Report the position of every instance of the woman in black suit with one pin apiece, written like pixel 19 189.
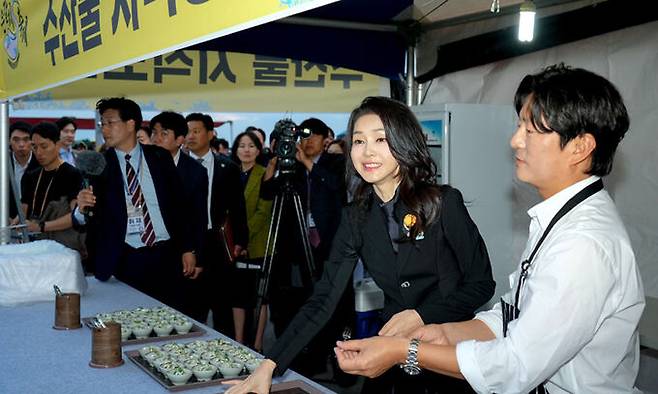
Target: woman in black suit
pixel 415 238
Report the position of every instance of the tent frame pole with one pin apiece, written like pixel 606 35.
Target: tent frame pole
pixel 5 170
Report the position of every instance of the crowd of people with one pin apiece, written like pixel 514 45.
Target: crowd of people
pixel 182 216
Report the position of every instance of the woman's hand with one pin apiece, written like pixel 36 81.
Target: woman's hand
pixel 258 382
pixel 371 357
pixel 402 324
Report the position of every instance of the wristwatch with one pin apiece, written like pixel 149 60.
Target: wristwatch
pixel 410 366
pixel 42 226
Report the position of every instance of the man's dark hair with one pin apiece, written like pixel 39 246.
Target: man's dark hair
pixel 316 126
pixel 128 109
pixel 147 129
pixel 203 118
pixel 20 125
pixel 217 142
pixel 48 130
pixel 171 121
pixel 64 121
pixel 257 130
pixel 572 102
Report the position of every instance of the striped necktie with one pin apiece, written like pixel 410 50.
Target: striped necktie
pixel 137 198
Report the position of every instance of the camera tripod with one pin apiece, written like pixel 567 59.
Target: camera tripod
pixel 287 193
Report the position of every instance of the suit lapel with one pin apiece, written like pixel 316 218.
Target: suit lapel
pixel 116 190
pixel 252 183
pixel 375 230
pixel 404 248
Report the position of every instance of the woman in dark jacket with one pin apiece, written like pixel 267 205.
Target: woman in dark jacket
pixel 415 238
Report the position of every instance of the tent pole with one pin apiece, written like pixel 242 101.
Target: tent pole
pixel 411 71
pixel 4 172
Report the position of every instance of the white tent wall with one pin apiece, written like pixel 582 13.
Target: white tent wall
pixel 629 58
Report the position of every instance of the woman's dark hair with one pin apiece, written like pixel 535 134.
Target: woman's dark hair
pixel 418 188
pixel 572 102
pixel 236 142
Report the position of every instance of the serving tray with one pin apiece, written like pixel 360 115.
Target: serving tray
pixel 294 387
pixel 195 331
pixel 193 383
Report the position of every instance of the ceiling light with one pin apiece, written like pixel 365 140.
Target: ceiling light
pixel 527 21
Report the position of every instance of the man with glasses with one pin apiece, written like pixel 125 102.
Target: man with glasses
pixel 138 231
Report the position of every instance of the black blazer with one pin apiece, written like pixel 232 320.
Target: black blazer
pixel 195 184
pixel 445 276
pixel 227 197
pixel 107 228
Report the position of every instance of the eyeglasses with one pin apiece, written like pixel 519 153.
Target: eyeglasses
pixel 109 123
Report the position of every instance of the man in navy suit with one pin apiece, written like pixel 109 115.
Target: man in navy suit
pixel 168 130
pixel 138 231
pixel 225 200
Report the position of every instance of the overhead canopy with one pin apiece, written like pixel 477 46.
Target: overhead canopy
pixel 47 43
pixel 451 35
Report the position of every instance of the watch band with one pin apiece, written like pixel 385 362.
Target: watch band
pixel 410 365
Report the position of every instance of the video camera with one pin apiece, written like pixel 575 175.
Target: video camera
pixel 287 133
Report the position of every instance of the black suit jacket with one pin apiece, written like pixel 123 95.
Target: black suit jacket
pixel 445 276
pixel 107 228
pixel 195 184
pixel 228 198
pixel 31 165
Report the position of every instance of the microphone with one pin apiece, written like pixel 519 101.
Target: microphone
pixel 90 164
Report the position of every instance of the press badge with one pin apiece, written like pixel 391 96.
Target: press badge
pixel 135 219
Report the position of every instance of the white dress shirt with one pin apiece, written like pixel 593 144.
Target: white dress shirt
pixel 19 171
pixel 580 307
pixel 209 163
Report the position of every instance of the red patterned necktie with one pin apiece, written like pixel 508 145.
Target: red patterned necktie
pixel 148 235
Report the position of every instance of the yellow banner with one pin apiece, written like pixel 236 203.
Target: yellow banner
pixel 213 81
pixel 49 42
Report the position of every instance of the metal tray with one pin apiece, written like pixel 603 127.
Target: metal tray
pixel 193 383
pixel 294 387
pixel 195 331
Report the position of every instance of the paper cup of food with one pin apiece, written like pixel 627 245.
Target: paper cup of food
pixel 179 375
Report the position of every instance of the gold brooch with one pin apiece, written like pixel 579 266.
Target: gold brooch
pixel 409 221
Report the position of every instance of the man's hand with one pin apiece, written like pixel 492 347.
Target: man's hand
pixel 402 324
pixel 86 199
pixel 239 251
pixel 271 169
pixel 258 382
pixel 33 226
pixel 371 357
pixel 431 333
pixel 189 263
pixel 302 158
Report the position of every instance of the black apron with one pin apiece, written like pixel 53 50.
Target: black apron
pixel 511 312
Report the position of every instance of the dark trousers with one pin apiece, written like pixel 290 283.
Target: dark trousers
pixel 155 271
pixel 211 290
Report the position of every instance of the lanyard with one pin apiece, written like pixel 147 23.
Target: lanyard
pixel 45 195
pixel 575 200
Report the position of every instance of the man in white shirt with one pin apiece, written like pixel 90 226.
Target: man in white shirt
pixel 571 324
pixel 22 159
pixel 67 128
